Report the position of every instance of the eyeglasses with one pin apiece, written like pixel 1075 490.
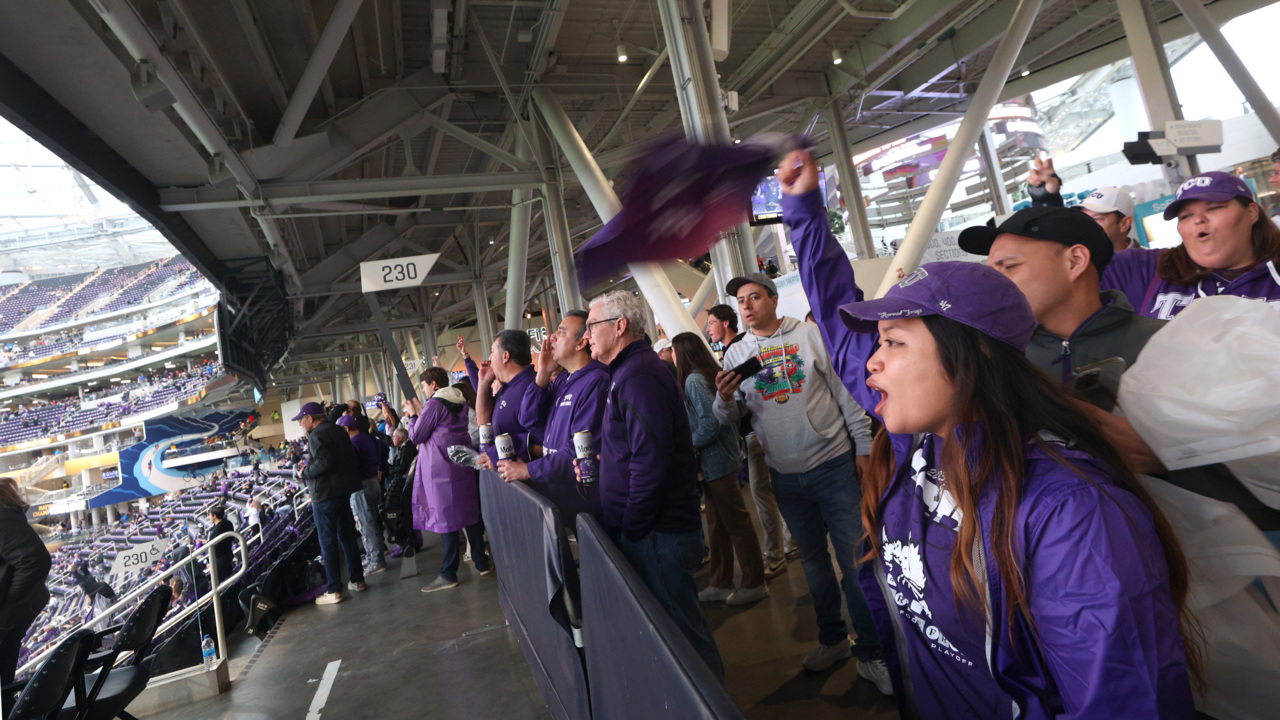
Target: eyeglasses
pixel 587 330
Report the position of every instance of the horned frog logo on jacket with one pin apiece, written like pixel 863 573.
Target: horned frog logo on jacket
pixel 782 374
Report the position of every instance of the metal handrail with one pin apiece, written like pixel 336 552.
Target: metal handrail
pixel 216 588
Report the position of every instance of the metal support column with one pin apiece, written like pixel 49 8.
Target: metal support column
pixel 995 176
pixel 780 240
pixel 702 110
pixel 518 252
pixel 335 31
pixel 557 222
pixel 484 316
pixel 389 342
pixel 1151 67
pixel 550 318
pixel 653 281
pixel 428 336
pixel 850 185
pixel 704 291
pixel 1240 75
pixel 975 118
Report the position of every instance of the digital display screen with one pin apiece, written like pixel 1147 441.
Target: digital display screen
pixel 766 201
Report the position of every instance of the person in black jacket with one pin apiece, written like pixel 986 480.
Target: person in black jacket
pixel 24 567
pixel 221 551
pixel 332 477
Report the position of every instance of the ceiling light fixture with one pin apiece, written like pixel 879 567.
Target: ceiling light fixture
pixel 1025 71
pixel 836 57
pixel 622 52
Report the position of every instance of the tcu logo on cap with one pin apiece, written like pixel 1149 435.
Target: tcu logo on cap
pixel 1096 195
pixel 1193 183
pixel 916 276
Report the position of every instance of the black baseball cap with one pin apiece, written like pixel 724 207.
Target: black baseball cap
pixel 1054 224
pixel 757 278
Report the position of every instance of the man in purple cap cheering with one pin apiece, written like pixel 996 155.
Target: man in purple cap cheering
pixel 332 477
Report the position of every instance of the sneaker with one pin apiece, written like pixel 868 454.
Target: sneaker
pixel 375 570
pixel 876 672
pixel 329 599
pixel 746 596
pixel 440 584
pixel 775 568
pixel 398 551
pixel 356 586
pixel 489 571
pixel 824 656
pixel 791 552
pixel 713 594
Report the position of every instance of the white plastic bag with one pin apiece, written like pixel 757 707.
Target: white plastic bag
pixel 1206 388
pixel 1225 553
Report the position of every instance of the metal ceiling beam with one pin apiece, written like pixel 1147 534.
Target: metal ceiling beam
pixel 349 256
pixel 293 193
pixel 356 329
pixel 474 141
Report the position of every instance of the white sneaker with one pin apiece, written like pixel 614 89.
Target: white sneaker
pixel 878 673
pixel 824 656
pixel 329 599
pixel 440 584
pixel 746 596
pixel 714 594
pixel 356 586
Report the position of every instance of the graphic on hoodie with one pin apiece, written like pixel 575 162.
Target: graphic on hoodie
pixel 782 375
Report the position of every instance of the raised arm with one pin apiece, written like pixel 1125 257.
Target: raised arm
pixel 825 273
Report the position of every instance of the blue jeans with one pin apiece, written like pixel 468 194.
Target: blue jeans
pixel 365 506
pixel 449 543
pixel 826 501
pixel 665 562
pixel 334 527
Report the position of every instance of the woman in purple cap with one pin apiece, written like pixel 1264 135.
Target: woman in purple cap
pixel 1020 568
pixel 1229 247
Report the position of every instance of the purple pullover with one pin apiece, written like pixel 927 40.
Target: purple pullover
pixel 648 472
pixel 572 403
pixel 473 373
pixel 368 455
pixel 506 414
pixel 1133 272
pixel 1106 642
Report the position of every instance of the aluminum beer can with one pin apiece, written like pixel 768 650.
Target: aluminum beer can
pixel 506 446
pixel 588 466
pixel 486 434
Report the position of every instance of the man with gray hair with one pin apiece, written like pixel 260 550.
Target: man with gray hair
pixel 648 471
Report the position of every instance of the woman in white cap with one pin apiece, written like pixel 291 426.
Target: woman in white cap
pixel 1021 569
pixel 1229 247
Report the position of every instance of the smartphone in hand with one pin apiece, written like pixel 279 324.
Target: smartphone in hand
pixel 748 368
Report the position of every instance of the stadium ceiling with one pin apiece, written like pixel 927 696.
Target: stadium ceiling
pixel 305 136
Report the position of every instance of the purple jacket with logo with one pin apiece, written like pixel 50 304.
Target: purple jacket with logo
pixel 648 471
pixel 574 402
pixel 506 414
pixel 1106 642
pixel 1133 272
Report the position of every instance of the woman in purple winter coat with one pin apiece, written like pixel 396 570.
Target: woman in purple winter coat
pixel 446 497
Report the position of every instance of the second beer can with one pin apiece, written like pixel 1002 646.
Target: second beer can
pixel 486 434
pixel 588 466
pixel 506 446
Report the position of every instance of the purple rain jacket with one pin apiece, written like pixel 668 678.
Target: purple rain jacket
pixel 505 417
pixel 446 497
pixel 572 403
pixel 1106 642
pixel 1133 272
pixel 648 472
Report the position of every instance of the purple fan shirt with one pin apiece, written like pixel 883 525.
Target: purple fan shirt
pixel 1133 272
pixel 506 414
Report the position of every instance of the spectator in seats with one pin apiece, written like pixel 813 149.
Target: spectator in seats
pixel 815 440
pixel 1229 247
pixel 648 472
pixel 100 594
pixel 510 363
pixel 991 497
pixel 722 328
pixel 403 455
pixel 332 477
pixel 24 566
pixel 221 551
pixel 253 517
pixel 446 497
pixel 719 453
pixel 558 409
pixel 1110 207
pixel 365 504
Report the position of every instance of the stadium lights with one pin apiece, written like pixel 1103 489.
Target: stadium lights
pixel 622 52
pixel 836 57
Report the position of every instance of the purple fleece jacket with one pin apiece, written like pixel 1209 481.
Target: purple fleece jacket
pixel 1133 272
pixel 506 415
pixel 572 403
pixel 648 472
pixel 1106 642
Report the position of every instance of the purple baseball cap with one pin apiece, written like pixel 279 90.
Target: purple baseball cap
pixel 1210 187
pixel 347 421
pixel 311 408
pixel 968 293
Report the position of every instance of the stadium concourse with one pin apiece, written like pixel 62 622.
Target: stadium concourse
pixel 617 360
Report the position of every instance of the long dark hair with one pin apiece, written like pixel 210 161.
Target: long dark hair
pixel 1176 266
pixel 693 356
pixel 1000 391
pixel 11 494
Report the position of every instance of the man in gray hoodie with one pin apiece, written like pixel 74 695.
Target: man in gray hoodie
pixel 808 425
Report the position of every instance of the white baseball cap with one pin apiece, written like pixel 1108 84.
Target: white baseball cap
pixel 1109 199
pixel 661 345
